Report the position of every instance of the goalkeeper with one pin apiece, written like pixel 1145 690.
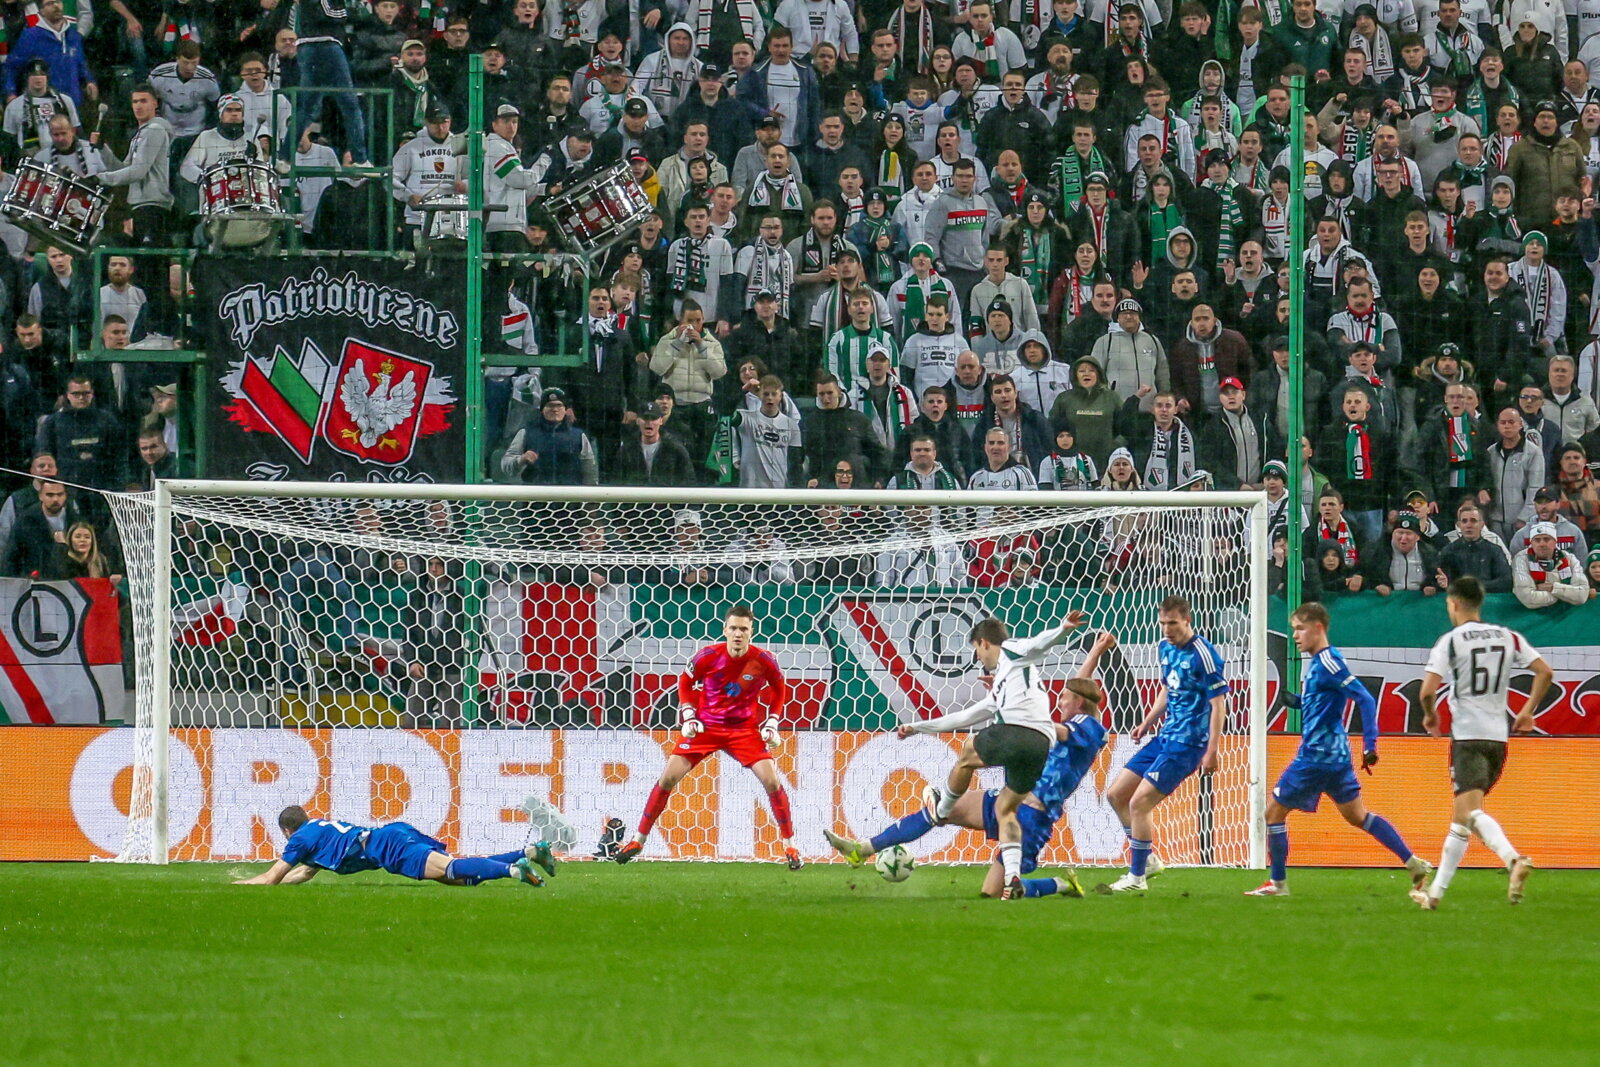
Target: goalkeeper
pixel 1079 739
pixel 717 713
pixel 399 848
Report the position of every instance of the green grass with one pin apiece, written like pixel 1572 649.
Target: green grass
pixel 754 965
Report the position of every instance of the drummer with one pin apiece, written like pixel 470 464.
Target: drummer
pixel 69 152
pixel 224 142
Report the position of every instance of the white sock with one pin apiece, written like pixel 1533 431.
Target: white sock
pixel 1011 860
pixel 641 838
pixel 1489 833
pixel 947 803
pixel 1455 847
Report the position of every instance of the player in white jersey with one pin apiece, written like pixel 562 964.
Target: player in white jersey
pixel 1018 740
pixel 1476 660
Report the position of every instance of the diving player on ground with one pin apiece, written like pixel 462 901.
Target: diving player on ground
pixel 717 701
pixel 1323 763
pixel 399 848
pixel 1475 659
pixel 1019 739
pixel 1079 739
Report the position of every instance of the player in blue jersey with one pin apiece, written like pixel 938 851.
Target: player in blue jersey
pixel 1079 739
pixel 1323 764
pixel 1194 700
pixel 399 848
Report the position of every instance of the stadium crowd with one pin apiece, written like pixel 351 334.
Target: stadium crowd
pixel 914 245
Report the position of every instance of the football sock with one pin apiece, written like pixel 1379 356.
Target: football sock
pixel 907 829
pixel 1490 833
pixel 1138 856
pixel 475 869
pixel 1127 831
pixel 1455 847
pixel 778 799
pixel 1039 887
pixel 947 802
pixel 652 810
pixel 508 857
pixel 1383 831
pixel 1011 859
pixel 1278 850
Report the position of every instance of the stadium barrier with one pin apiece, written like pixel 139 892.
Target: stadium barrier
pixel 68 790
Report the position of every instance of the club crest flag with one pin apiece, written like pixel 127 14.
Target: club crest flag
pixel 324 370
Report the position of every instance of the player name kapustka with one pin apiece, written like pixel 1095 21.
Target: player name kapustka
pixel 251 307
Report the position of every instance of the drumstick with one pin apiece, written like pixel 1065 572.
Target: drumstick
pixel 99 121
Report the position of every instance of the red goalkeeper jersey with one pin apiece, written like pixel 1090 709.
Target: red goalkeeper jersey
pixel 726 691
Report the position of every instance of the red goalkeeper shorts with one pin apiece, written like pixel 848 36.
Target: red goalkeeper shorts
pixel 743 743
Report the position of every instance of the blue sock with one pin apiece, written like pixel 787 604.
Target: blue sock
pixel 907 829
pixel 475 869
pixel 1387 836
pixel 508 857
pixel 1038 887
pixel 1138 856
pixel 1278 850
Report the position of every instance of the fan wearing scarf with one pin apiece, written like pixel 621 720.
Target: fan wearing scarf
pixel 908 296
pixel 1072 170
pixel 1543 289
pixel 1038 246
pixel 1454 452
pixel 764 265
pixel 1546 574
pixel 1067 468
pixel 1333 527
pixel 880 240
pixel 996 48
pixel 1053 90
pixel 879 395
pixel 1362 322
pixel 1358 456
pixel 1165 451
pixel 700 267
pixel 1163 123
pixel 849 349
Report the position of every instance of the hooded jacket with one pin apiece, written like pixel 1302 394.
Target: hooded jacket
pixel 1129 361
pixel 1094 413
pixel 1192 380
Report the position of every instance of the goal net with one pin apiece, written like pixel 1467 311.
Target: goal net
pixel 489 662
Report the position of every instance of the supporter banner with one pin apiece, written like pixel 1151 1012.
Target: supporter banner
pixel 60 652
pixel 63 794
pixel 332 369
pixel 862 658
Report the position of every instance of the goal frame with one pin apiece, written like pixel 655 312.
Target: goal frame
pixel 166 490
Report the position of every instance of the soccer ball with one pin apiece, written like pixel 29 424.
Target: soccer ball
pixel 895 863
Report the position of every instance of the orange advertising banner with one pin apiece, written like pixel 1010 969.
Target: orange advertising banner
pixel 64 794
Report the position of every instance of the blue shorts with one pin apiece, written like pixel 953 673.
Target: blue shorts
pixel 1164 764
pixel 402 849
pixel 1302 784
pixel 1036 829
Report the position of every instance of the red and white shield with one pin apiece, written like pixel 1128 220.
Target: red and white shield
pixel 375 412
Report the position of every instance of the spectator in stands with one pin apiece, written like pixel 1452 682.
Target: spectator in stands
pixel 147 170
pixel 1165 450
pixel 1066 467
pixel 1207 355
pixel 924 467
pixel 1454 451
pixel 1546 574
pixel 40 468
pixel 1573 412
pixel 959 226
pixel 1547 508
pixel 155 461
pixel 29 114
pixel 1540 430
pixel 1404 564
pixel 1234 441
pixel 86 440
pixel 1579 491
pixel 61 300
pixel 924 554
pixel 1359 459
pixel 39 529
pixel 763 333
pixel 550 449
pixel 119 296
pixel 53 38
pixel 1333 524
pixel 1133 359
pixel 770 451
pixel 1516 473
pixel 1544 164
pixel 80 555
pixel 1474 551
pixel 690 359
pixel 833 431
pixel 935 420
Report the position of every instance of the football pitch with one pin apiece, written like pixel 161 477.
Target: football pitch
pixel 752 964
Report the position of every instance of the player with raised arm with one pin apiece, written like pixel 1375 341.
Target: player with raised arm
pixel 1019 738
pixel 1475 659
pixel 717 701
pixel 329 845
pixel 1323 763
pixel 1079 739
pixel 1194 700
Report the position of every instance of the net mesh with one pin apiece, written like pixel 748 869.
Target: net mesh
pixel 468 665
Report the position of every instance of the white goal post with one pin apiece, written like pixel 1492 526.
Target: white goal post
pixel 435 653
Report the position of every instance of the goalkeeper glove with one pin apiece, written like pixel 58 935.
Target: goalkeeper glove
pixel 1291 700
pixel 769 732
pixel 689 722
